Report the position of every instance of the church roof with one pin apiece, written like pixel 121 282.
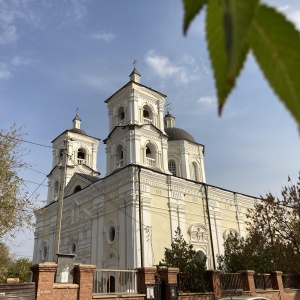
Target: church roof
pixel 89 177
pixel 135 71
pixel 77 130
pixel 133 82
pixel 77 118
pixel 178 134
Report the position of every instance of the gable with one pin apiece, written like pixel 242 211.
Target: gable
pixel 79 182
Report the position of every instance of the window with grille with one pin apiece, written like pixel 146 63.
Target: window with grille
pixel 194 172
pixel 172 167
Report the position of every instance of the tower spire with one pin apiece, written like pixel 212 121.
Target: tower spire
pixel 135 74
pixel 76 120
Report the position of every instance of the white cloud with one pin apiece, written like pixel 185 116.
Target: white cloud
pixel 78 11
pixel 284 8
pixel 291 13
pixel 8 34
pixel 11 14
pixel 208 100
pixel 103 36
pixel 295 18
pixel 164 68
pixel 8 68
pixel 4 71
pixel 19 61
pixel 15 14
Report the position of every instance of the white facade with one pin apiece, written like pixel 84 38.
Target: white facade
pixel 155 182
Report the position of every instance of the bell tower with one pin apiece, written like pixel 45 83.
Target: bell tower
pixel 81 152
pixel 136 127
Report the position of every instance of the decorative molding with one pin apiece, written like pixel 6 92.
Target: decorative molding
pixel 198 233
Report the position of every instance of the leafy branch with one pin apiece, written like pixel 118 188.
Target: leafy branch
pixel 233 29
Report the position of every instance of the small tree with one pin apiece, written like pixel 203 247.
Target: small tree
pixel 15 207
pixel 279 219
pixel 273 243
pixel 185 258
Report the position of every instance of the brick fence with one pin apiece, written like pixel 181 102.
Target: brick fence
pixel 278 292
pixel 82 286
pixel 43 275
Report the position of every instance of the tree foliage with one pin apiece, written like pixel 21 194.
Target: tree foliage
pixel 5 262
pixel 11 268
pixel 273 241
pixel 181 255
pixel 235 27
pixel 15 207
pixel 20 268
pixel 279 219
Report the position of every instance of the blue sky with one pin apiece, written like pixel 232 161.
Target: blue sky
pixel 60 55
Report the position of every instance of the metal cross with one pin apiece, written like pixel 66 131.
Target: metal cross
pixel 168 107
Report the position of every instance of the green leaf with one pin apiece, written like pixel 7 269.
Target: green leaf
pixel 191 9
pixel 237 19
pixel 276 46
pixel 227 26
pixel 216 46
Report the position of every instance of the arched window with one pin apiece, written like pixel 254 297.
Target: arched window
pixel 121 116
pixel 147 115
pixel 119 156
pixel 77 189
pixel 61 153
pixel 81 156
pixel 73 247
pixel 150 155
pixel 111 233
pixel 148 152
pixel 194 171
pixel 200 255
pixel 172 167
pixel 56 190
pixel 44 251
pixel 111 284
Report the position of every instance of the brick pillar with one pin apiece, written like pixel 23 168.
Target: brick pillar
pixel 277 283
pixel 43 276
pixel 214 282
pixel 248 281
pixel 146 276
pixel 169 277
pixel 83 276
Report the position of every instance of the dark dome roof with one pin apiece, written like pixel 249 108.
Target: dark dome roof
pixel 77 130
pixel 178 134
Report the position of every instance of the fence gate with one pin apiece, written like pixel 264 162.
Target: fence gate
pixel 159 289
pixel 25 291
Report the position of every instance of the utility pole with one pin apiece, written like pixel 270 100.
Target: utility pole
pixel 60 199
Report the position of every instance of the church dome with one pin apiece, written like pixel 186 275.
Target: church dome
pixel 178 134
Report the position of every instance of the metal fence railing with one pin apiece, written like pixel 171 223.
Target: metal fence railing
pixel 263 281
pixel 187 282
pixel 115 281
pixel 291 281
pixel 231 281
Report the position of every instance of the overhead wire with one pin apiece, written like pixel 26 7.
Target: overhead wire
pixel 34 182
pixel 29 142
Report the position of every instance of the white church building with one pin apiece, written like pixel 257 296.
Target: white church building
pixel 154 183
